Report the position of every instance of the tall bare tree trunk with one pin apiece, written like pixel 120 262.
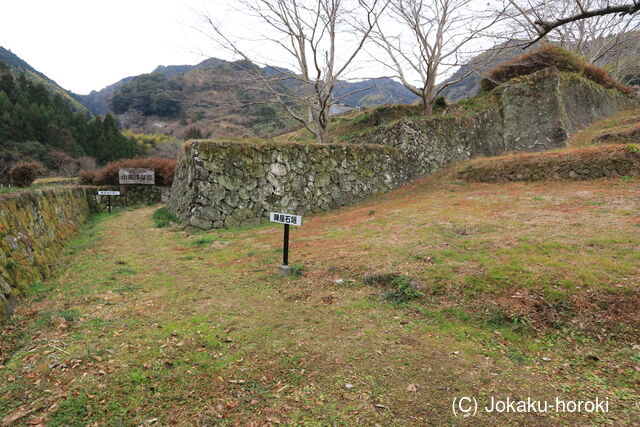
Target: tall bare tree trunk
pixel 427 106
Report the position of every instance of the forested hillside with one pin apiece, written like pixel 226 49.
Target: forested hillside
pixel 19 66
pixel 219 99
pixel 35 123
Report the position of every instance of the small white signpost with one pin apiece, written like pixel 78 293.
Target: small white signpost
pixel 108 193
pixel 282 218
pixel 287 220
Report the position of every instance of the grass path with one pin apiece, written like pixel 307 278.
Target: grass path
pixel 152 326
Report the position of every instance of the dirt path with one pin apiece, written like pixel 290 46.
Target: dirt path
pixel 146 325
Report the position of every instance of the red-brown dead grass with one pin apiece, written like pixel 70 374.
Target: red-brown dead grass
pixel 572 164
pixel 109 174
pixel 550 56
pixel 623 127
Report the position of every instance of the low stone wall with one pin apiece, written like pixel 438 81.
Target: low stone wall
pixel 33 227
pixel 131 195
pixel 581 164
pixel 229 184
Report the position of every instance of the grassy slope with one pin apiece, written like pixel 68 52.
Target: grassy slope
pixel 196 328
pixel 595 144
pixel 356 123
pixel 343 126
pixel 624 127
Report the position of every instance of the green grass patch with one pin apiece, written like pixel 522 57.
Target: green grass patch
pixel 401 291
pixel 204 241
pixel 163 218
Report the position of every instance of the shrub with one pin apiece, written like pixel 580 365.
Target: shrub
pixel 108 175
pixel 193 133
pixel 402 290
pixel 86 163
pixel 23 174
pixel 545 57
pixel 62 163
pixel 440 103
pixel 163 218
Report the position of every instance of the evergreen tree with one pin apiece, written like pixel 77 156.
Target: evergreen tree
pixel 34 122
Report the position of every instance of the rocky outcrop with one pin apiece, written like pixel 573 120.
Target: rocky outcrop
pixel 33 227
pixel 229 184
pixel 536 112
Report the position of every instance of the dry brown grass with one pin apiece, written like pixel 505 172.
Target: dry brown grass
pixel 550 56
pixel 108 175
pixel 573 164
pixel 623 127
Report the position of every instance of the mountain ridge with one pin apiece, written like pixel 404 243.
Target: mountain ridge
pixel 18 65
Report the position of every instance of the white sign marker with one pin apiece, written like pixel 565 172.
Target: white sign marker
pixel 108 193
pixel 282 218
pixel 136 176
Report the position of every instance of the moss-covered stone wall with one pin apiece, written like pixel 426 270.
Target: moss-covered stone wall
pixel 33 227
pixel 536 112
pixel 229 184
pixel 130 195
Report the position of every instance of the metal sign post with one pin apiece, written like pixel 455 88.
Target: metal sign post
pixel 287 220
pixel 108 193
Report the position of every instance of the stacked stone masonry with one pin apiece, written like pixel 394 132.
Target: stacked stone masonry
pixel 33 227
pixel 231 184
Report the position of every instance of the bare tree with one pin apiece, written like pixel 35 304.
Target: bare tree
pixel 435 37
pixel 317 37
pixel 543 16
pixel 611 40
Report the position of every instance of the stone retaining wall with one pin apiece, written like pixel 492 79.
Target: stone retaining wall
pixel 131 195
pixel 33 227
pixel 229 184
pixel 533 113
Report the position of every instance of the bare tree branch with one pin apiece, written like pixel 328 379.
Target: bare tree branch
pixel 316 35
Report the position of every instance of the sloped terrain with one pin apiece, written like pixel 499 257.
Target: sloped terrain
pixel 518 289
pixel 570 164
pixel 608 147
pixel 623 127
pixel 222 99
pixel 18 65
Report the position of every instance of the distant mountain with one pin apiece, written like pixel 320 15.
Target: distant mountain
pixel 17 66
pixel 469 85
pixel 219 98
pixel 624 50
pixel 372 92
pixel 98 101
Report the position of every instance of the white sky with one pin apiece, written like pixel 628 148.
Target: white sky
pixel 86 45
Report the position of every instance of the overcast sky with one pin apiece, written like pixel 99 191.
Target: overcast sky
pixel 86 45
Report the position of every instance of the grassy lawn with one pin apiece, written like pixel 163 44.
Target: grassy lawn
pixel 524 290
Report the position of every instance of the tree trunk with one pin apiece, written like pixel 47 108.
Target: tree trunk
pixel 323 135
pixel 427 106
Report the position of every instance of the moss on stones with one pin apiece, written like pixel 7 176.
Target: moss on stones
pixel 33 227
